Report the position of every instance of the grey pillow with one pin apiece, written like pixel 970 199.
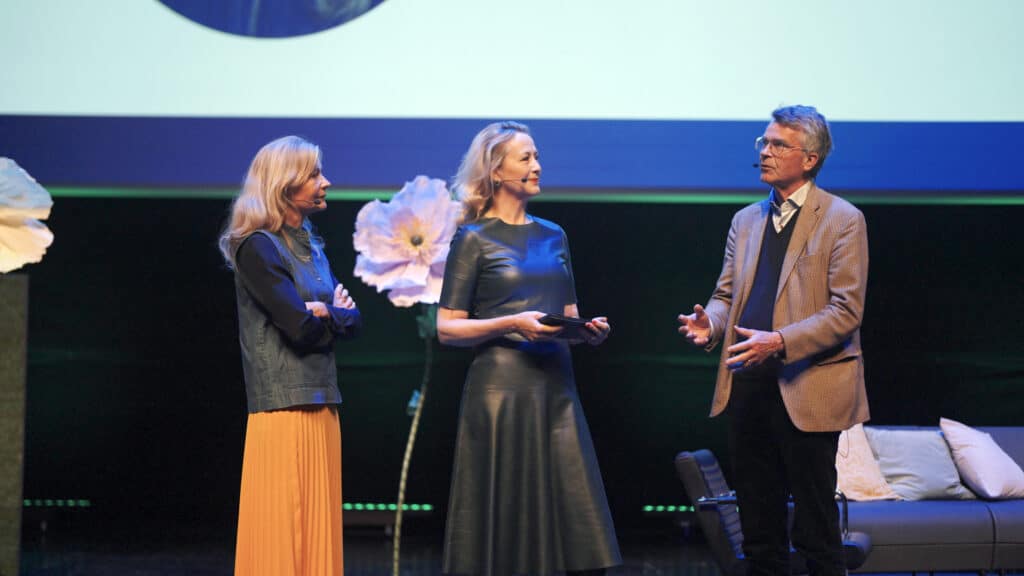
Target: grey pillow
pixel 917 464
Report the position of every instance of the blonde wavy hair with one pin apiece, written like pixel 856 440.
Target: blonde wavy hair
pixel 277 170
pixel 473 184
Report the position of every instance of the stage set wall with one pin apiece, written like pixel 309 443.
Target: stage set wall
pixel 136 402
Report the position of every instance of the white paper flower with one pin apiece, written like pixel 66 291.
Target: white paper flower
pixel 403 243
pixel 23 202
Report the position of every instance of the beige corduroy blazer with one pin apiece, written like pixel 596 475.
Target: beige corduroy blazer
pixel 818 309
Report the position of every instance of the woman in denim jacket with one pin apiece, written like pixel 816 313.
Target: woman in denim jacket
pixel 291 309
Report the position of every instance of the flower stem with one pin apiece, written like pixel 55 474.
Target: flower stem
pixel 427 361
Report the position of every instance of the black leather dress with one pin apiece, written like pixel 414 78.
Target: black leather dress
pixel 526 494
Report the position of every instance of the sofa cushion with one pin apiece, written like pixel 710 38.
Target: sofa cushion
pixel 925 535
pixel 933 522
pixel 1008 516
pixel 859 476
pixel 982 464
pixel 917 464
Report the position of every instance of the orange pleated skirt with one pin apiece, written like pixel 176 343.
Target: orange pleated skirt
pixel 289 514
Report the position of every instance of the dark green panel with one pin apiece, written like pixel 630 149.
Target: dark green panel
pixel 136 401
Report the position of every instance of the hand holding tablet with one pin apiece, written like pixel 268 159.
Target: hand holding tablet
pixel 572 328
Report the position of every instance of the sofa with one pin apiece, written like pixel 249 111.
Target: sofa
pixel 963 534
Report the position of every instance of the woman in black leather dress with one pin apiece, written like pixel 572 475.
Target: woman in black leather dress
pixel 526 494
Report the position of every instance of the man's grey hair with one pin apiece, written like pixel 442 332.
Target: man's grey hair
pixel 817 137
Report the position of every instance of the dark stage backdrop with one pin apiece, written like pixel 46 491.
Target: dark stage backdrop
pixel 136 401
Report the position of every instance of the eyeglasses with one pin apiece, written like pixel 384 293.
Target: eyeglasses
pixel 776 147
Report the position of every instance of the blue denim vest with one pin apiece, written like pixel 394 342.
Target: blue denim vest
pixel 277 375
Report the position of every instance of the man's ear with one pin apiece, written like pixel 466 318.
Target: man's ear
pixel 810 161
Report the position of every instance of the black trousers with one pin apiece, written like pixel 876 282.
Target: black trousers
pixel 772 459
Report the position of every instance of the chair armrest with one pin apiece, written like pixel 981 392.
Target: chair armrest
pixel 713 502
pixel 844 513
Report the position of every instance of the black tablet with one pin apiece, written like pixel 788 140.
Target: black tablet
pixel 573 328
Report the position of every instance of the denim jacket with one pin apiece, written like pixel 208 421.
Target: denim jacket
pixel 280 373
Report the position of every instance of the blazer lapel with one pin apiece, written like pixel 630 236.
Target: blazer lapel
pixel 755 229
pixel 806 221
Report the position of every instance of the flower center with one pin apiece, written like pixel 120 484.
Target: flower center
pixel 416 240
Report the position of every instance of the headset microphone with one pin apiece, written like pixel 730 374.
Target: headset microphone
pixel 498 183
pixel 756 165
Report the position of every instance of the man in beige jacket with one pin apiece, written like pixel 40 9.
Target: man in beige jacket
pixel 787 309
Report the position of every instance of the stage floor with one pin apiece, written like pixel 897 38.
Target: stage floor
pixel 365 555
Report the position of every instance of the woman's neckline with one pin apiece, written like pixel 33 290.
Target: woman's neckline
pixel 529 220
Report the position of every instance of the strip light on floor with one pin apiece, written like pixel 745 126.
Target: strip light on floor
pixel 56 503
pixel 361 506
pixel 379 507
pixel 666 509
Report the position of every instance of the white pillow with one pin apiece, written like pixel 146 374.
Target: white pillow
pixel 982 464
pixel 857 471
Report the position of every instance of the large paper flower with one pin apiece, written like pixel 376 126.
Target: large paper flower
pixel 403 243
pixel 23 202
